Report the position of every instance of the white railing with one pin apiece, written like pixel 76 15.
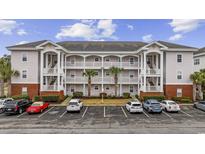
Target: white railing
pixel 76 80
pixel 93 64
pixel 75 64
pixel 152 88
pixel 50 70
pixel 110 64
pixel 129 64
pixel 50 87
pixel 151 71
pixel 128 80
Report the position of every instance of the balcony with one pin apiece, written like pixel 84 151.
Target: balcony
pixel 98 80
pixel 50 71
pixel 153 88
pixel 50 87
pixel 150 71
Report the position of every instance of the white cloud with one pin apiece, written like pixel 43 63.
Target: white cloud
pixel 147 38
pixel 22 42
pixel 21 32
pixel 176 37
pixel 89 30
pixel 130 27
pixel 185 25
pixel 7 26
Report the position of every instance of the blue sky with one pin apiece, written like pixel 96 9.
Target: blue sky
pixel 188 32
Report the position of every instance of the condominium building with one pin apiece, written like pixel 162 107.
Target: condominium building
pixel 148 68
pixel 199 59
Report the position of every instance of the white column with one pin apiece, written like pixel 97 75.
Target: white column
pixel 120 76
pixel 102 68
pixel 41 72
pixel 46 60
pixel 161 72
pixel 145 73
pixel 58 64
pixel 157 61
pixel 83 76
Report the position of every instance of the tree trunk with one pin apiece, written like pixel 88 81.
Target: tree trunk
pixel 89 86
pixel 200 92
pixel 1 88
pixel 9 88
pixel 116 81
pixel 194 92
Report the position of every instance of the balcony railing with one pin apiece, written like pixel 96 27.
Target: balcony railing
pixel 50 70
pixel 50 87
pixel 81 64
pixel 151 71
pixel 153 88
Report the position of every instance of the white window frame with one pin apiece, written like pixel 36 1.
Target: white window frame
pixel 24 90
pixel 24 55
pixel 107 88
pixel 131 88
pixel 107 59
pixel 23 74
pixel 179 54
pixel 97 60
pixel 96 87
pixel 197 61
pixel 107 73
pixel 179 92
pixel 131 61
pixel 179 73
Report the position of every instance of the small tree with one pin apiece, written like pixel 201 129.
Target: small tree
pixel 89 74
pixel 6 73
pixel 115 71
pixel 198 79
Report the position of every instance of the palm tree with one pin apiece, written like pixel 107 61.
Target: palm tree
pixel 198 79
pixel 115 71
pixel 6 73
pixel 89 74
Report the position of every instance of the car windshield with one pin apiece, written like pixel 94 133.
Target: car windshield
pixel 36 104
pixel 136 104
pixel 11 102
pixel 73 103
pixel 172 103
pixel 1 101
pixel 155 103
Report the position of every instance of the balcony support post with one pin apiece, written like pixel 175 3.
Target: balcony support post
pixel 58 66
pixel 161 71
pixel 145 75
pixel 84 57
pixel 102 74
pixel 41 72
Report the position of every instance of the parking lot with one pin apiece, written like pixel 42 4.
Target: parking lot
pixel 109 119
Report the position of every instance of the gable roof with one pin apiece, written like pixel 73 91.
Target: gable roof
pixel 202 50
pixel 101 45
pixel 173 45
pixel 28 45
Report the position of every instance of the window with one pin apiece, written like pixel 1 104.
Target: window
pixel 179 92
pixel 107 88
pixel 131 89
pixel 72 75
pixel 179 58
pixel 97 73
pixel 96 59
pixel 72 61
pixel 179 75
pixel 107 59
pixel 196 61
pixel 96 87
pixel 24 57
pixel 72 89
pixel 24 74
pixel 24 90
pixel 131 76
pixel 131 60
pixel 107 73
pixel 44 80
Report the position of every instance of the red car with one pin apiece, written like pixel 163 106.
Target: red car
pixel 37 107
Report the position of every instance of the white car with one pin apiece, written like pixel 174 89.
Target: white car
pixel 134 106
pixel 74 105
pixel 170 106
pixel 3 101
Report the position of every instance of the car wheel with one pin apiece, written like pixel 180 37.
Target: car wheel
pixel 166 109
pixel 20 111
pixel 195 106
pixel 41 110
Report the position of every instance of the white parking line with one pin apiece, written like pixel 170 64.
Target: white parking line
pixel 167 114
pixel 124 112
pixel 63 114
pixel 146 114
pixel 104 112
pixel 21 114
pixel 45 112
pixel 186 113
pixel 85 112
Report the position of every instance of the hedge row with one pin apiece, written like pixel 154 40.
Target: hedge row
pixel 159 98
pixel 20 97
pixel 2 96
pixel 182 99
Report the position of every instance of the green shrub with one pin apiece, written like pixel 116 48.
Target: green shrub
pixel 137 96
pixel 104 94
pixel 51 98
pixel 126 95
pixel 77 94
pixel 36 98
pixel 3 96
pixel 185 100
pixel 20 97
pixel 159 98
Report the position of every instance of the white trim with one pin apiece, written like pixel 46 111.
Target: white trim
pixel 21 74
pixel 180 49
pixel 198 55
pixel 25 82
pixel 178 84
pixel 20 49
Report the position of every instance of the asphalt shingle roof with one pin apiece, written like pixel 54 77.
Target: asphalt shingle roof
pixel 173 45
pixel 202 50
pixel 28 45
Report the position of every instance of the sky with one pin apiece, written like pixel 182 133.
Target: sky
pixel 189 32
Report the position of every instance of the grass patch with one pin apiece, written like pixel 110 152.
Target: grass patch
pixel 105 102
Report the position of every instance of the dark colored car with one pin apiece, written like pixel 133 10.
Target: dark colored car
pixel 152 105
pixel 16 106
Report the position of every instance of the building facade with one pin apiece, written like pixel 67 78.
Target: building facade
pixel 57 68
pixel 199 60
